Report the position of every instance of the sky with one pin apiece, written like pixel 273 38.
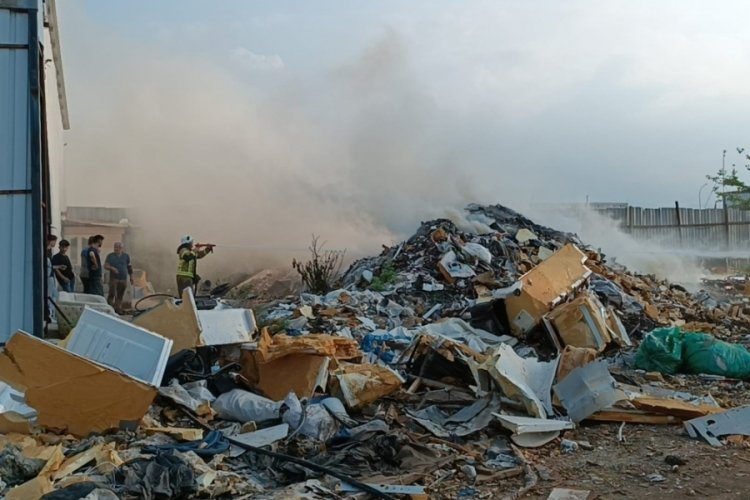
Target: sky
pixel 263 122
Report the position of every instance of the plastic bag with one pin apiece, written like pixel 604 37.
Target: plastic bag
pixel 661 351
pixel 669 350
pixel 244 406
pixel 702 353
pixel 314 421
pixel 478 251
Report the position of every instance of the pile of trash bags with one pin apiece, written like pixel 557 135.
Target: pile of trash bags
pixel 670 351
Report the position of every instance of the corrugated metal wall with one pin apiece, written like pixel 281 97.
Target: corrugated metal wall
pixel 20 228
pixel 705 228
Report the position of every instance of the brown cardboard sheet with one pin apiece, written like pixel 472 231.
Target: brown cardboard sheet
pixel 177 322
pixel 71 393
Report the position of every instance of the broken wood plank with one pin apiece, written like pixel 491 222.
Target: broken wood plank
pixel 676 408
pixel 75 462
pixel 503 474
pixel 181 433
pixel 633 417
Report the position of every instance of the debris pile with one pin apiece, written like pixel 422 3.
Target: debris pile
pixel 450 363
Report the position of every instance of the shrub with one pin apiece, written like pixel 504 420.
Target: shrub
pixel 319 274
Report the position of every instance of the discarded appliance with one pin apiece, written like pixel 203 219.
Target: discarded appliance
pixel 545 286
pixel 72 305
pixel 120 345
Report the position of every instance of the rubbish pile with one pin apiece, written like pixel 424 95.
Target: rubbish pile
pixel 435 367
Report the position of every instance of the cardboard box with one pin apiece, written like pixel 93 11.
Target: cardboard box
pixel 298 373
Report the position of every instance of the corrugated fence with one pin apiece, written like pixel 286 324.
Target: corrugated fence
pixel 710 228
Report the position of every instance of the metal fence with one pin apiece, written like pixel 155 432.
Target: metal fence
pixel 708 228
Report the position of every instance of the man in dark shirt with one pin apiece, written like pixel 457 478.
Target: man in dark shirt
pixel 120 272
pixel 94 263
pixel 63 268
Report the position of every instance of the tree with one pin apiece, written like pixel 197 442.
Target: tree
pixel 729 186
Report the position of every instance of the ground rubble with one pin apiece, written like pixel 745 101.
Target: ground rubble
pixel 492 359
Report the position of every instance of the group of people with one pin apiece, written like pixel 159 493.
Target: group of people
pixel 61 276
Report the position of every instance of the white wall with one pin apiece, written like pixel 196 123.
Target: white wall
pixel 55 137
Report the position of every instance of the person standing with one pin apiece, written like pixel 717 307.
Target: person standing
pixel 187 275
pixel 83 271
pixel 94 263
pixel 51 283
pixel 66 278
pixel 120 273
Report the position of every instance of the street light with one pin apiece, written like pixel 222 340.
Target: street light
pixel 700 197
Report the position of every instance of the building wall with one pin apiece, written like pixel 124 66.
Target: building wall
pixel 55 137
pixel 56 109
pixel 21 261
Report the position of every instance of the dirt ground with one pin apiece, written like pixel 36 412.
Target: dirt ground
pixel 635 468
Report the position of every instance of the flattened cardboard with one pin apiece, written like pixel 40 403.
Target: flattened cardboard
pixel 298 373
pixel 676 408
pixel 177 322
pixel 544 286
pixel 71 393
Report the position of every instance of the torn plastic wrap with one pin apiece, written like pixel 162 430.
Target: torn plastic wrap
pixel 194 395
pixel 312 420
pixel 464 422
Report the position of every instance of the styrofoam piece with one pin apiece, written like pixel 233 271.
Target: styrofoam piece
pixel 226 326
pixel 120 345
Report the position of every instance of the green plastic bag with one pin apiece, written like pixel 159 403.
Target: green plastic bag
pixel 660 351
pixel 702 353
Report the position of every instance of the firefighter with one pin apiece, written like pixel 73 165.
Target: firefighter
pixel 188 254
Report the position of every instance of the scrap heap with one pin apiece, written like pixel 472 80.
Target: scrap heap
pixel 435 369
